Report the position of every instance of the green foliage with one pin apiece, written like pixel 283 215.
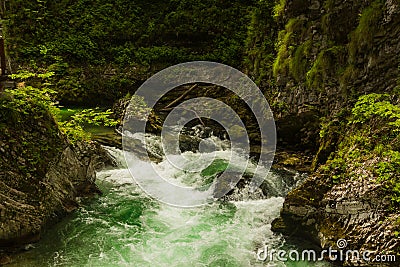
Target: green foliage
pixel 94 117
pixel 74 127
pixel 377 106
pixel 325 127
pixel 376 111
pixel 80 41
pixel 280 107
pixel 279 8
pixel 98 32
pixel 74 131
pixel 260 43
pixel 26 100
pixel 41 104
pixel 25 75
pixel 29 134
pixel 161 54
pixel 284 45
pixel 372 135
pixel 361 38
pixel 388 171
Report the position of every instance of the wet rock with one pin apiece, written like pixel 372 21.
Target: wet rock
pixel 356 211
pixel 288 160
pixel 42 177
pixel 234 186
pixel 108 139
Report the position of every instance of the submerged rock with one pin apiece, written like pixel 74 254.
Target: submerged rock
pixel 234 186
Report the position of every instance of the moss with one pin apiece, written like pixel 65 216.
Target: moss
pixel 329 4
pixel 347 75
pixel 280 107
pixel 281 60
pixel 298 65
pixel 294 56
pixel 279 8
pixel 361 38
pixel 324 66
pixel 260 44
pixel 285 45
pixel 292 161
pixel 329 139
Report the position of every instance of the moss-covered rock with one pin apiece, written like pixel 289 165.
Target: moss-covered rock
pixel 352 76
pixel 42 175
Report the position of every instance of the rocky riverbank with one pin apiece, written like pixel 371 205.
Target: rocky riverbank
pixel 338 63
pixel 42 175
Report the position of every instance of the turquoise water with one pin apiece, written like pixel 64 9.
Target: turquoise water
pixel 125 227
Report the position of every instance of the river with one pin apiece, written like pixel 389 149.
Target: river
pixel 125 227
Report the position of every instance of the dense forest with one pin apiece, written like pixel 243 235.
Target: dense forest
pixel 121 43
pixel 330 71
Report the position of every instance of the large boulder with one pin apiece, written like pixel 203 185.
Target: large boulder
pixel 42 175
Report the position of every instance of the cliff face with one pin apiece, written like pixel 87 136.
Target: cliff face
pixel 329 51
pixel 41 174
pixel 336 62
pixel 327 54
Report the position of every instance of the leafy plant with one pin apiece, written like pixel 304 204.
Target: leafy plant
pixel 29 99
pixel 372 135
pixel 74 127
pixel 376 106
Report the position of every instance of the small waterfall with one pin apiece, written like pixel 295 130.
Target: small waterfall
pixel 117 156
pixel 272 186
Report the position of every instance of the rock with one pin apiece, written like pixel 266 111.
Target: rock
pixel 5 259
pixel 278 225
pixel 47 182
pixel 107 139
pixel 358 208
pixel 323 214
pixel 234 186
pixel 298 161
pixel 291 162
pixel 238 131
pixel 329 26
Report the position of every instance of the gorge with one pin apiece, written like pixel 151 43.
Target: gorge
pixel 330 71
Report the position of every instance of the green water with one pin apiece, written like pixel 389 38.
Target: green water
pixel 124 227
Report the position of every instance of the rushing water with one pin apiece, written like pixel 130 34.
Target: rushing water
pixel 125 227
